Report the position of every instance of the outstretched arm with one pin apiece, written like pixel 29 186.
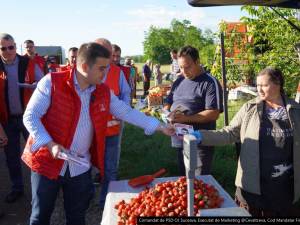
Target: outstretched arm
pixel 124 112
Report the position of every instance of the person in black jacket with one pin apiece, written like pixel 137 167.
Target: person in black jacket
pixel 18 77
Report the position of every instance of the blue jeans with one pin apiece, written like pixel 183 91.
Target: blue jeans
pixel 13 151
pixel 77 193
pixel 110 165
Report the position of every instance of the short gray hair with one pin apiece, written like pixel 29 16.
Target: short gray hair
pixel 7 37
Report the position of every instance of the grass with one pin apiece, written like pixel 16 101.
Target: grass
pixel 143 154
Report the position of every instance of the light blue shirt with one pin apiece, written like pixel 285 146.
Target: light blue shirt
pixel 14 101
pixel 40 102
pixel 125 90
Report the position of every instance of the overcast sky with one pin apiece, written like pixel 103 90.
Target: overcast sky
pixel 70 23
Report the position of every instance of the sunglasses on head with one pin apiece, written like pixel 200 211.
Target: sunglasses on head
pixel 11 47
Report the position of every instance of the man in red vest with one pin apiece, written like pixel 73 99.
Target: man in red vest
pixel 72 57
pixel 126 68
pixel 66 118
pixel 18 77
pixel 52 65
pixel 31 53
pixel 116 59
pixel 116 81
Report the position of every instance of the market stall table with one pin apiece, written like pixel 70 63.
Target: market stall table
pixel 120 190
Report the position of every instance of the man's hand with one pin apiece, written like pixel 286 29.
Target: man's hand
pixel 54 149
pixel 167 107
pixel 145 78
pixel 167 129
pixel 34 84
pixel 165 115
pixel 178 118
pixel 3 137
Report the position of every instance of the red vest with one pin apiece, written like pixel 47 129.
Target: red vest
pixel 53 67
pixel 39 60
pixel 113 82
pixel 65 67
pixel 61 120
pixel 126 71
pixel 26 75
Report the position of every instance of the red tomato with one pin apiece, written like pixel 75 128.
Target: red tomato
pixel 167 199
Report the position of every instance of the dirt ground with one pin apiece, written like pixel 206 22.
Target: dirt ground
pixel 18 213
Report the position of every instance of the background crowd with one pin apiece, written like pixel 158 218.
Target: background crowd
pixel 81 107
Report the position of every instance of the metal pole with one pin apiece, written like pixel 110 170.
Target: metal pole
pixel 190 163
pixel 225 106
pixel 190 194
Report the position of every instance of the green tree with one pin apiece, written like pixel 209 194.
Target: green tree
pixel 273 45
pixel 238 66
pixel 158 44
pixel 137 58
pixel 160 41
pixel 274 42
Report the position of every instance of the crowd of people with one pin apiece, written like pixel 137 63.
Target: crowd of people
pixel 80 108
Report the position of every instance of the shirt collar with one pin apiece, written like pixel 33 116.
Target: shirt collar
pixel 16 61
pixel 90 89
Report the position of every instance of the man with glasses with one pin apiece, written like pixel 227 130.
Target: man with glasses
pixel 31 53
pixel 18 77
pixel 68 113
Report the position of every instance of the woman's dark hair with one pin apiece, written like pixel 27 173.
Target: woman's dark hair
pixel 275 76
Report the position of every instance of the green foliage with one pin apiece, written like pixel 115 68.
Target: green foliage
pixel 158 45
pixel 239 67
pixel 160 41
pixel 274 41
pixel 138 58
pixel 143 154
pixel 206 55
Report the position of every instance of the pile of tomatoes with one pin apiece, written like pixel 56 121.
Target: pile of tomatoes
pixel 167 199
